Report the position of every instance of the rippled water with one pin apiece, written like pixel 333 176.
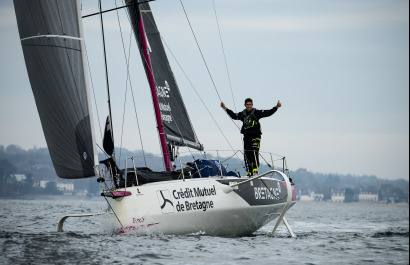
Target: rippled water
pixel 327 233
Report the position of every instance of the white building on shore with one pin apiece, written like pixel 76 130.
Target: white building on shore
pixel 338 197
pixel 368 197
pixel 312 197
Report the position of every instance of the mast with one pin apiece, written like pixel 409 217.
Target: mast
pixel 150 75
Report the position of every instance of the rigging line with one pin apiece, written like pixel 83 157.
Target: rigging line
pixel 198 95
pixel 223 51
pixel 105 153
pixel 136 115
pixel 113 212
pixel 203 154
pixel 123 120
pixel 281 156
pixel 149 68
pixel 106 74
pixel 227 69
pixel 132 90
pixel 222 162
pixel 203 58
pixel 114 9
pixel 154 24
pixel 269 165
pixel 173 118
pixel 126 82
pixel 200 98
pixel 150 18
pixel 182 69
pixel 92 86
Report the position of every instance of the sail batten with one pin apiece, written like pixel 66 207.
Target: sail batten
pixel 52 41
pixel 52 36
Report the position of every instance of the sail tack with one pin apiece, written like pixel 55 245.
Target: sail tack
pixel 52 41
pixel 174 116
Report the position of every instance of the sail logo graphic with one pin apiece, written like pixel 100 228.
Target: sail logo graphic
pixel 167 118
pixel 164 107
pixel 165 201
pixel 163 91
pixel 85 156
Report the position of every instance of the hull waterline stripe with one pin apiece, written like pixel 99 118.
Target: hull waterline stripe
pixel 52 36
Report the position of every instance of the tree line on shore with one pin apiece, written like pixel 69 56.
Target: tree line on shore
pixel 35 164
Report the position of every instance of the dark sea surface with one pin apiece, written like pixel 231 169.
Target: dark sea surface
pixel 327 233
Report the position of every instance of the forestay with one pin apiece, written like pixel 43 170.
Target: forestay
pixel 52 40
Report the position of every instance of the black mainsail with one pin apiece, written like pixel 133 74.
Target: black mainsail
pixel 52 40
pixel 174 117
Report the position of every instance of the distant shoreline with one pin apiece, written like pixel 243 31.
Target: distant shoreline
pixel 52 197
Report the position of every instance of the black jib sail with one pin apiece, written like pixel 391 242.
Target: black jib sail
pixel 175 119
pixel 52 40
pixel 108 141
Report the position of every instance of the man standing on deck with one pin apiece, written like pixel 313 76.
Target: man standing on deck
pixel 251 130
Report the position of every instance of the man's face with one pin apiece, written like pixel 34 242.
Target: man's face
pixel 248 106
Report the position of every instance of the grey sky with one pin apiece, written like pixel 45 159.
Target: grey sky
pixel 340 68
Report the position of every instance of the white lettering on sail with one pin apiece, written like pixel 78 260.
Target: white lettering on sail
pixel 164 107
pixel 163 91
pixel 167 118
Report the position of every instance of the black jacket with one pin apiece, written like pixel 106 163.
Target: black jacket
pixel 251 125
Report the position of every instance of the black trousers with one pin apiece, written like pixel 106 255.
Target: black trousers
pixel 251 146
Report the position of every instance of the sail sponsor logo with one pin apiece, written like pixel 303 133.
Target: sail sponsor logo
pixel 264 193
pixel 164 107
pixel 165 201
pixel 163 91
pixel 184 205
pixel 195 192
pixel 167 118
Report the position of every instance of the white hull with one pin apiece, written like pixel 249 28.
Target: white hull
pixel 207 205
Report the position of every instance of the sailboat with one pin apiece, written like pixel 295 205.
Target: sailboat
pixel 202 197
